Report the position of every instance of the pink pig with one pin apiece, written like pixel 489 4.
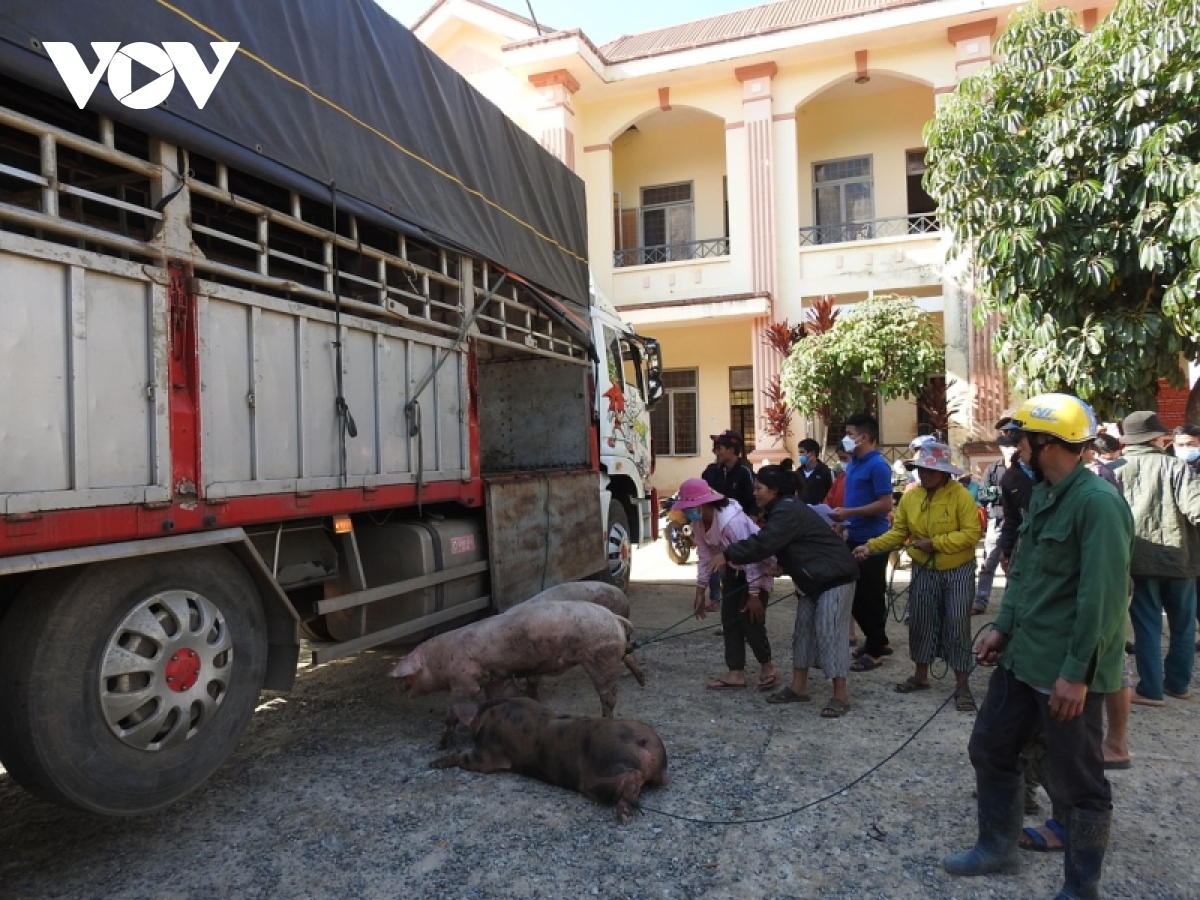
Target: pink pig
pixel 609 596
pixel 529 640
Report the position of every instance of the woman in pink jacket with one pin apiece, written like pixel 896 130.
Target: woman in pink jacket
pixel 716 523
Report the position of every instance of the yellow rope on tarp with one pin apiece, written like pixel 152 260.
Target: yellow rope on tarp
pixel 371 128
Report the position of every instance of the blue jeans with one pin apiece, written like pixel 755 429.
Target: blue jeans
pixel 1151 598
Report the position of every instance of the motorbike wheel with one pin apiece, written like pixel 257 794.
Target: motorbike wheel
pixel 679 545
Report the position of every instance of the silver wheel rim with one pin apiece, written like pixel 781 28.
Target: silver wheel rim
pixel 165 670
pixel 618 551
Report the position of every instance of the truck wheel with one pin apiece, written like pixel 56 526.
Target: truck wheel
pixel 619 546
pixel 123 686
pixel 679 548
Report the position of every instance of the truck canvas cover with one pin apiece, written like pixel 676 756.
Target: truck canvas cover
pixel 334 94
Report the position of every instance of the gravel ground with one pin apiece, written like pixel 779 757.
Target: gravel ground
pixel 330 794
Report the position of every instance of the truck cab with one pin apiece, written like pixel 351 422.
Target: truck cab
pixel 628 384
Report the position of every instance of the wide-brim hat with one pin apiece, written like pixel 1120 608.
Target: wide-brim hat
pixel 935 457
pixel 1143 426
pixel 696 492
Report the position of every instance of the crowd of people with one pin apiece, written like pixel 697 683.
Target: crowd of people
pixel 1093 531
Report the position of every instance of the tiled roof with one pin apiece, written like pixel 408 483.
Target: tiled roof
pixel 744 23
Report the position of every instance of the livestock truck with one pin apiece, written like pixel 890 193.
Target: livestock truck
pixel 295 340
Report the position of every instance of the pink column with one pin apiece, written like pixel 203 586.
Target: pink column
pixel 756 112
pixel 556 118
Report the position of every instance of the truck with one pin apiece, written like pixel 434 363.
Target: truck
pixel 629 384
pixel 312 355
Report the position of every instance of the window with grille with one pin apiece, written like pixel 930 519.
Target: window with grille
pixel 741 403
pixel 674 421
pixel 667 216
pixel 843 199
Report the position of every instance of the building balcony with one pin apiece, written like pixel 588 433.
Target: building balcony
pixel 874 229
pixel 894 254
pixel 710 248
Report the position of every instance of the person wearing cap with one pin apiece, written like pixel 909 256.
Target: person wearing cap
pixel 939 523
pixel 991 499
pixel 718 521
pixel 1058 641
pixel 868 503
pixel 1165 498
pixel 1016 489
pixel 730 474
pixel 824 572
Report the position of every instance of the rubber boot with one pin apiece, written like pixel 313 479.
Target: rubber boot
pixel 1001 805
pixel 1087 840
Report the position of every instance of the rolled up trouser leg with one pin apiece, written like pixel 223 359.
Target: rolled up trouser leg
pixel 1087 842
pixel 1001 807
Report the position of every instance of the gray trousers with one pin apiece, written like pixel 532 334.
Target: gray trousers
pixel 821 629
pixel 991 549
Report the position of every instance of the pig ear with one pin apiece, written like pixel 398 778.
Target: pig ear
pixel 466 711
pixel 410 665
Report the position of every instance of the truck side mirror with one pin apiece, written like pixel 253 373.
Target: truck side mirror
pixel 654 387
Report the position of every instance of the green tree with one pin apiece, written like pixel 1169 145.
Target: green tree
pixel 883 346
pixel 1069 172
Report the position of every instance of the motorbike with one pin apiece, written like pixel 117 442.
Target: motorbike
pixel 677 531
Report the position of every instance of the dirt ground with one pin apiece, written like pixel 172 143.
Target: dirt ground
pixel 330 794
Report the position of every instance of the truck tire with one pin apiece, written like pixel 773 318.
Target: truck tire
pixel 125 685
pixel 618 546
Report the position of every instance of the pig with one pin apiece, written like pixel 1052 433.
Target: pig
pixel 531 639
pixel 609 596
pixel 605 759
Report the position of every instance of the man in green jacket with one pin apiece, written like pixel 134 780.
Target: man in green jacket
pixel 1059 640
pixel 1165 498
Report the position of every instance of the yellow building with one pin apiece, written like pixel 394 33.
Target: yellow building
pixel 742 166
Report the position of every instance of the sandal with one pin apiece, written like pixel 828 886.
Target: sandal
pixel 1033 840
pixel 720 684
pixel 910 685
pixel 886 651
pixel 964 702
pixel 768 682
pixel 865 663
pixel 787 695
pixel 835 709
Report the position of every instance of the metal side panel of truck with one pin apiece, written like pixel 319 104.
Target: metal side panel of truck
pixel 242 405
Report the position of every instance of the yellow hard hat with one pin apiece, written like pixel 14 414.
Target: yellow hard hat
pixel 1061 415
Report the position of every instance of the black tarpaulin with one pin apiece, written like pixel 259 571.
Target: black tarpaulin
pixel 336 91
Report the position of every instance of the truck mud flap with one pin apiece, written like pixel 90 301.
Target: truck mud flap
pixel 544 529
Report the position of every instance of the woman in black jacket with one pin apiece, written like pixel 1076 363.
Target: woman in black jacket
pixel 823 570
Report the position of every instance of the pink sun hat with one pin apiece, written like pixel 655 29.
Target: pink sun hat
pixel 696 492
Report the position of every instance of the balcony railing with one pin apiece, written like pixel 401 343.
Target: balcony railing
pixel 895 226
pixel 664 253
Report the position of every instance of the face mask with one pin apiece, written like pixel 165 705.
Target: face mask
pixel 804 459
pixel 1191 455
pixel 848 444
pixel 693 515
pixel 837 468
pixel 1025 468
